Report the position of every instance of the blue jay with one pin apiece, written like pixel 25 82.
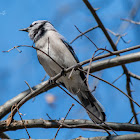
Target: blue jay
pixel 46 38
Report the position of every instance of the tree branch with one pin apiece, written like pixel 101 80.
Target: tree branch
pixel 134 75
pixel 93 12
pixel 84 33
pixel 117 61
pixel 100 24
pixel 44 86
pixel 131 21
pixel 4 136
pixel 121 137
pixel 39 123
pixel 6 108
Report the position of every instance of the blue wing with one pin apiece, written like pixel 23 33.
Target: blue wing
pixel 71 50
pixel 76 58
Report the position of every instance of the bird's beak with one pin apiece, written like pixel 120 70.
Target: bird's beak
pixel 25 29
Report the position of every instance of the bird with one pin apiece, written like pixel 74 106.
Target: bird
pixel 60 54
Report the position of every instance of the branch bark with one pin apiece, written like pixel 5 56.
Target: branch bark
pixel 40 123
pixel 4 136
pixel 121 137
pixel 6 108
pixel 117 61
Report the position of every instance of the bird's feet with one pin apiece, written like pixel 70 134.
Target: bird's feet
pixel 51 81
pixel 63 72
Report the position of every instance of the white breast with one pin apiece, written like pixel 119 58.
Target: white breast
pixel 52 45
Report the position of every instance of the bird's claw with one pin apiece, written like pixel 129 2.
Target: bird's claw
pixel 51 81
pixel 63 72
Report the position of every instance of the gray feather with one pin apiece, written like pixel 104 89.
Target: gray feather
pixel 90 103
pixel 52 43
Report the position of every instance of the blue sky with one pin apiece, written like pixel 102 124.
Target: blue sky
pixel 17 67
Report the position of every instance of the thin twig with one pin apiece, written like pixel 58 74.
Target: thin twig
pixel 134 75
pixel 101 56
pixel 15 47
pixel 87 37
pixel 44 77
pixel 128 88
pixel 84 33
pixel 63 121
pixel 29 86
pixel 48 46
pixel 23 122
pixel 70 73
pixel 118 78
pixel 133 117
pixel 48 116
pixel 118 40
pixel 93 90
pixel 91 63
pixel 131 21
pixel 111 85
pixel 119 37
pixel 100 24
pixel 31 90
pixel 38 50
pixel 9 119
pixel 58 122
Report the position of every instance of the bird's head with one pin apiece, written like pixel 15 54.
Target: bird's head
pixel 38 28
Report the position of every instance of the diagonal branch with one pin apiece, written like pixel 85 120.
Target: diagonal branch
pixel 134 75
pixel 112 86
pixel 63 121
pixel 6 108
pixel 131 103
pixel 44 86
pixel 126 72
pixel 120 36
pixel 87 37
pixel 4 136
pixel 100 24
pixel 131 21
pixel 84 33
pixel 37 91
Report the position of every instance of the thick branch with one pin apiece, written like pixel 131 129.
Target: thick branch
pixel 134 75
pixel 4 136
pixel 44 86
pixel 121 137
pixel 117 61
pixel 40 123
pixel 6 108
pixel 93 12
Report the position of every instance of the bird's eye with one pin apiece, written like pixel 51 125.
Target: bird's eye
pixel 35 23
pixel 32 24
